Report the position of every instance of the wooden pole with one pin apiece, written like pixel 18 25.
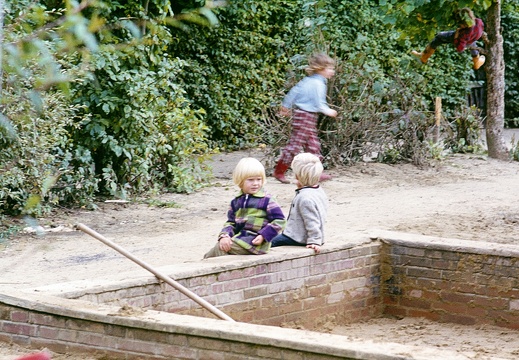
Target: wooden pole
pixel 155 272
pixel 437 117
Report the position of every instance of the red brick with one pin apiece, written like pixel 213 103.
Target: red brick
pixel 443 264
pixel 19 316
pixel 395 311
pixel 458 319
pixel 19 329
pixel 318 291
pixel 451 308
pixel 423 314
pixel 264 313
pixel 477 312
pixel 415 303
pixel 422 283
pixel 360 251
pixel 391 300
pixel 490 303
pixel 423 273
pixel 313 303
pixel 456 297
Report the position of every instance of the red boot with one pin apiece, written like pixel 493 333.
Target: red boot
pixel 279 172
pixel 35 356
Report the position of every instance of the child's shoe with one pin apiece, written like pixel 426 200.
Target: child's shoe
pixel 279 172
pixel 281 178
pixel 478 61
pixel 425 55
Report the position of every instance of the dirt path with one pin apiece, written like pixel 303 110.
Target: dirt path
pixel 466 197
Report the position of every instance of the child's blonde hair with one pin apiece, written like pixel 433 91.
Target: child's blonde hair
pixel 307 169
pixel 246 168
pixel 318 62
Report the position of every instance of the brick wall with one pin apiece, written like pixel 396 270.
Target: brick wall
pixel 296 289
pixel 137 317
pixel 451 280
pixel 156 336
pixel 141 318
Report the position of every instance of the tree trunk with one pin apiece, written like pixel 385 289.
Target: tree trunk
pixel 495 70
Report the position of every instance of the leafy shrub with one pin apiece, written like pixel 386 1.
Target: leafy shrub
pixel 142 131
pixel 514 151
pixel 466 130
pixel 41 162
pixel 384 97
pixel 379 120
pixel 150 109
pixel 235 68
pixel 510 26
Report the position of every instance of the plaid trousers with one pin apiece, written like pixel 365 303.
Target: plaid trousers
pixel 303 137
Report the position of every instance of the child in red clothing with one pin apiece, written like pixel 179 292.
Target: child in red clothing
pixel 469 31
pixel 308 99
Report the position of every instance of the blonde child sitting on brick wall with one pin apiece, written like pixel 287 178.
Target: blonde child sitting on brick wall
pixel 254 217
pixel 308 211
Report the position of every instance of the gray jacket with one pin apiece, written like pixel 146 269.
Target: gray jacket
pixel 307 215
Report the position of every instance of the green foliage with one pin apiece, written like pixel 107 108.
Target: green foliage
pixel 141 130
pixel 160 91
pixel 510 26
pixel 235 67
pixel 130 127
pixel 419 19
pixel 41 167
pixel 383 119
pixel 466 129
pixel 383 95
pixel 514 151
pixel 36 35
pixel 7 228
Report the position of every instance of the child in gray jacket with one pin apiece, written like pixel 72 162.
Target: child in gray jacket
pixel 307 215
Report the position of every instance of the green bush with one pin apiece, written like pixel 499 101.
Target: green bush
pixel 236 67
pixel 40 162
pixel 510 26
pixel 141 130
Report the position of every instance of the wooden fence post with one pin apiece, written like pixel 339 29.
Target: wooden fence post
pixel 437 116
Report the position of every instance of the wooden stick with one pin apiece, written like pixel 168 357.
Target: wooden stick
pixel 438 116
pixel 155 272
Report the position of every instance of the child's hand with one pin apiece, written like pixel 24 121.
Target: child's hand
pixel 316 248
pixel 283 111
pixel 225 242
pixel 330 112
pixel 456 34
pixel 258 240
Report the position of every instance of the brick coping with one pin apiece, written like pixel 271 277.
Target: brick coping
pixel 294 339
pixel 190 269
pixel 142 277
pixel 448 244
